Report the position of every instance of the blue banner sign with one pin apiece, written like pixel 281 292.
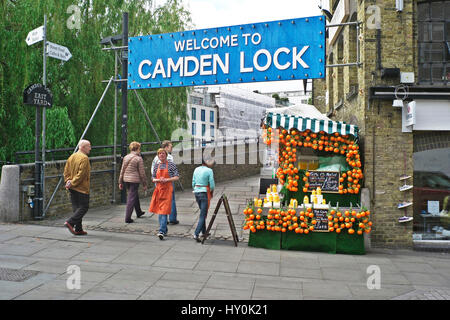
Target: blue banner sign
pixel 270 51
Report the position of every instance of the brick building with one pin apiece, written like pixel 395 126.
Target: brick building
pixel 388 72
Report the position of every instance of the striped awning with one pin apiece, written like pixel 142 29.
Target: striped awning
pixel 276 120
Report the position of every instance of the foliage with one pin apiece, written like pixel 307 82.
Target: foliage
pixel 279 100
pixel 59 132
pixel 77 84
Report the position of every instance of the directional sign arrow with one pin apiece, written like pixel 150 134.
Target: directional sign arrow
pixel 35 35
pixel 57 51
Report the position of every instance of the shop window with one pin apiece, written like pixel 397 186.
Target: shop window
pixel 431 192
pixel 434 41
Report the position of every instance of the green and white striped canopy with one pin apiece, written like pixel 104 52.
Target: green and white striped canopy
pixel 276 120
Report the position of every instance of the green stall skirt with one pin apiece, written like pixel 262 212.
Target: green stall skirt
pixel 265 239
pixel 329 242
pixel 350 243
pixel 313 241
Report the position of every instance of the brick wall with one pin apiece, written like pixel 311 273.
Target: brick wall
pixel 243 162
pixel 386 151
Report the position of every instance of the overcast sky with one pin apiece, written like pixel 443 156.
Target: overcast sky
pixel 220 13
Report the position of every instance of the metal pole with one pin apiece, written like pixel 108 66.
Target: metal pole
pixel 38 180
pixel 147 117
pixel 115 128
pixel 44 114
pixel 37 168
pixel 82 137
pixel 357 45
pixel 124 95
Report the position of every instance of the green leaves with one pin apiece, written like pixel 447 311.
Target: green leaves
pixel 77 84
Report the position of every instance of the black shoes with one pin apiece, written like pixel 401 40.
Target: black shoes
pixel 129 221
pixel 140 214
pixel 174 222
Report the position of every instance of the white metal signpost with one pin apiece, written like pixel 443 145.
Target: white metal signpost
pixel 62 53
pixel 57 51
pixel 35 36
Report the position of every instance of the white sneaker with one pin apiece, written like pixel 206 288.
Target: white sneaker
pixel 160 236
pixel 404 219
pixel 405 187
pixel 404 177
pixel 404 204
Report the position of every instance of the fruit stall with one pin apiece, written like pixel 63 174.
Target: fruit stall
pixel 316 205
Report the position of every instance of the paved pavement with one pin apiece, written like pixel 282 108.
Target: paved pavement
pixel 127 262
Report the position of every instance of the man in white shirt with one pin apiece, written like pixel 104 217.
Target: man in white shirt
pixel 167 145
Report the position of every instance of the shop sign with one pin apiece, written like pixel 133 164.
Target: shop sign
pixel 321 217
pixel 410 113
pixel 38 95
pixel 327 181
pixel 290 49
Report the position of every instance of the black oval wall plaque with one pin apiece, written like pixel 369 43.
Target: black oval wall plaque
pixel 38 95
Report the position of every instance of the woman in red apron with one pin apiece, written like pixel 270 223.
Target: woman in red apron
pixel 163 175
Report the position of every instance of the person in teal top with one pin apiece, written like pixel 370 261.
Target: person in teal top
pixel 203 186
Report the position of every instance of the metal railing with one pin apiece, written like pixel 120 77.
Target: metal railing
pixel 64 153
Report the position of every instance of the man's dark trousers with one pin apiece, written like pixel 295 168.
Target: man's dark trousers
pixel 80 205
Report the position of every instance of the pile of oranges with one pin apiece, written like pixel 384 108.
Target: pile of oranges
pixel 291 140
pixel 351 221
pixel 352 179
pixel 269 135
pixel 283 220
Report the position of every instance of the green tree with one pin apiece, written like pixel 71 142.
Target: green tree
pixel 60 132
pixel 77 83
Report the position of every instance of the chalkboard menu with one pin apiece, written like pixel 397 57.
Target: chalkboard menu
pixel 328 181
pixel 320 215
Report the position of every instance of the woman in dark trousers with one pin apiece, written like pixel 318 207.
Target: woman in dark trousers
pixel 133 173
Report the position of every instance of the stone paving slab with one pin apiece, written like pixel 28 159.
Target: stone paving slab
pixel 127 261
